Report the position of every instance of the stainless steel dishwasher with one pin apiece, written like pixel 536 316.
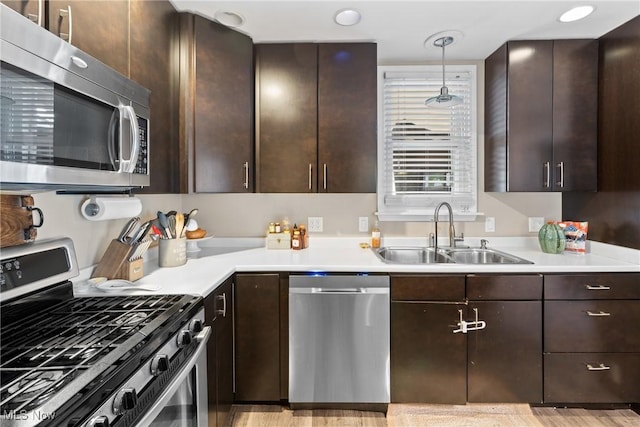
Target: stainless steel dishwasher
pixel 339 341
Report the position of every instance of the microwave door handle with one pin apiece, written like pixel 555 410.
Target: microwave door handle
pixel 113 139
pixel 128 113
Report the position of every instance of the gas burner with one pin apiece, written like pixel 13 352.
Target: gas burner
pixel 36 387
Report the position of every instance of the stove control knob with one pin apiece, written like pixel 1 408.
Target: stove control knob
pixel 196 326
pixel 100 421
pixel 159 364
pixel 184 338
pixel 125 400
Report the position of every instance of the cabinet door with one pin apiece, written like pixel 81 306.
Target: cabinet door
pixel 224 350
pixel 154 29
pixel 505 358
pixel 428 361
pixel 286 108
pixel 575 114
pixel 99 28
pixel 257 315
pixel 212 384
pixel 222 96
pixel 31 9
pixel 347 117
pixel 530 95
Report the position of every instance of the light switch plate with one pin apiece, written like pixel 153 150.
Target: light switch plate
pixel 490 224
pixel 363 224
pixel 535 223
pixel 314 224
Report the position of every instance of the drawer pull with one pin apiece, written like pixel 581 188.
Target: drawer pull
pixel 598 314
pixel 598 287
pixel 600 367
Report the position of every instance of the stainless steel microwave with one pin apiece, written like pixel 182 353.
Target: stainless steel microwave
pixel 68 121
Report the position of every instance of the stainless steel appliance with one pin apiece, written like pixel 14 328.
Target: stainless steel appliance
pixel 68 120
pixel 95 361
pixel 339 341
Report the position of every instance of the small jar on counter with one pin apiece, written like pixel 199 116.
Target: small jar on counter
pixel 272 227
pixel 278 228
pixel 305 236
pixel 296 239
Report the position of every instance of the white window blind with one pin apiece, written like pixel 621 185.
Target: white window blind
pixel 426 156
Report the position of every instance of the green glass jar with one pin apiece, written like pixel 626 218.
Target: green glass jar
pixel 551 238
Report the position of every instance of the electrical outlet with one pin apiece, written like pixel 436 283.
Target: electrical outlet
pixel 314 224
pixel 490 224
pixel 363 224
pixel 535 223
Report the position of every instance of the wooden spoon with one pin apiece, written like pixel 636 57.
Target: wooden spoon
pixel 179 225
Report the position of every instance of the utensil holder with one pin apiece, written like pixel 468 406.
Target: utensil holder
pixel 172 252
pixel 115 263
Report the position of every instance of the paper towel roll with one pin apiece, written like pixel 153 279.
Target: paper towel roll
pixel 104 208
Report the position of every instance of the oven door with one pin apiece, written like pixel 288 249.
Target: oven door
pixel 184 402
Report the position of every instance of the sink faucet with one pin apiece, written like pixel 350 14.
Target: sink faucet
pixel 452 229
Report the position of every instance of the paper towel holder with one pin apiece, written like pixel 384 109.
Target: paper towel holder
pixel 105 208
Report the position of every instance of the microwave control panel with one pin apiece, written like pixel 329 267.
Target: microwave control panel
pixel 143 155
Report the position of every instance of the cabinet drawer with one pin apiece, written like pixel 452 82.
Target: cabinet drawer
pixel 591 378
pixel 427 288
pixel 504 287
pixel 591 326
pixel 592 286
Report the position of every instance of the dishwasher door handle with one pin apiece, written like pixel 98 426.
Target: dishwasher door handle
pixel 339 290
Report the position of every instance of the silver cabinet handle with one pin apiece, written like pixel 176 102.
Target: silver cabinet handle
pixel 37 18
pixel 324 178
pixel 128 113
pixel 560 167
pixel 600 367
pixel 547 175
pixel 223 298
pixel 310 176
pixel 598 287
pixel 598 314
pixel 67 12
pixel 245 184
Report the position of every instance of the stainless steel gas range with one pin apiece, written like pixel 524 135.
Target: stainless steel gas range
pixel 97 361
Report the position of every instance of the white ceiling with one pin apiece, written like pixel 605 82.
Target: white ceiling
pixel 401 27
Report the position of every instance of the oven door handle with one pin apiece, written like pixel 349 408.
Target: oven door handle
pixel 157 407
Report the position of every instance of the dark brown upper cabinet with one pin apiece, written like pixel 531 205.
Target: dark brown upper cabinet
pixel 99 28
pixel 216 105
pixel 541 101
pixel 151 64
pixel 316 117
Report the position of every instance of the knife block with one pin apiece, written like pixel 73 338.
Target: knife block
pixel 115 263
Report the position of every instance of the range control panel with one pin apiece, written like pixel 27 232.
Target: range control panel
pixel 30 268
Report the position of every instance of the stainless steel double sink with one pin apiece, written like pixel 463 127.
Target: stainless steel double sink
pixel 429 255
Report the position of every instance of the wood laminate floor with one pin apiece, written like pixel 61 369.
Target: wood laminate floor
pixel 470 415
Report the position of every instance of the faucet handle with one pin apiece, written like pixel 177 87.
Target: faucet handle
pixel 483 243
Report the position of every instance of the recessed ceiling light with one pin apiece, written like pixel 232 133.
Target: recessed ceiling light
pixel 576 13
pixel 230 19
pixel 347 17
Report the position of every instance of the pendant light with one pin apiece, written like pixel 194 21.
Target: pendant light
pixel 444 100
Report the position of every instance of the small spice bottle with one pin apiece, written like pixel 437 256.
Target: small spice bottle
pixel 272 227
pixel 296 238
pixel 278 229
pixel 375 236
pixel 305 236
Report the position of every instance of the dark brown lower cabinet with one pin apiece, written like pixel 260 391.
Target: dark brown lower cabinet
pixel 218 308
pixel 592 377
pixel 505 358
pixel 428 361
pixel 257 343
pixel 501 362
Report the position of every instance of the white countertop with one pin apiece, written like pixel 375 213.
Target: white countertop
pixel 220 258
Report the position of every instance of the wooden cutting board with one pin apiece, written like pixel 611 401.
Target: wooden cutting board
pixel 16 220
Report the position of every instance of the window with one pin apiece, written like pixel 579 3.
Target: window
pixel 426 156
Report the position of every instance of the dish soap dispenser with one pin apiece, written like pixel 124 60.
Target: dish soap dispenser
pixel 375 235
